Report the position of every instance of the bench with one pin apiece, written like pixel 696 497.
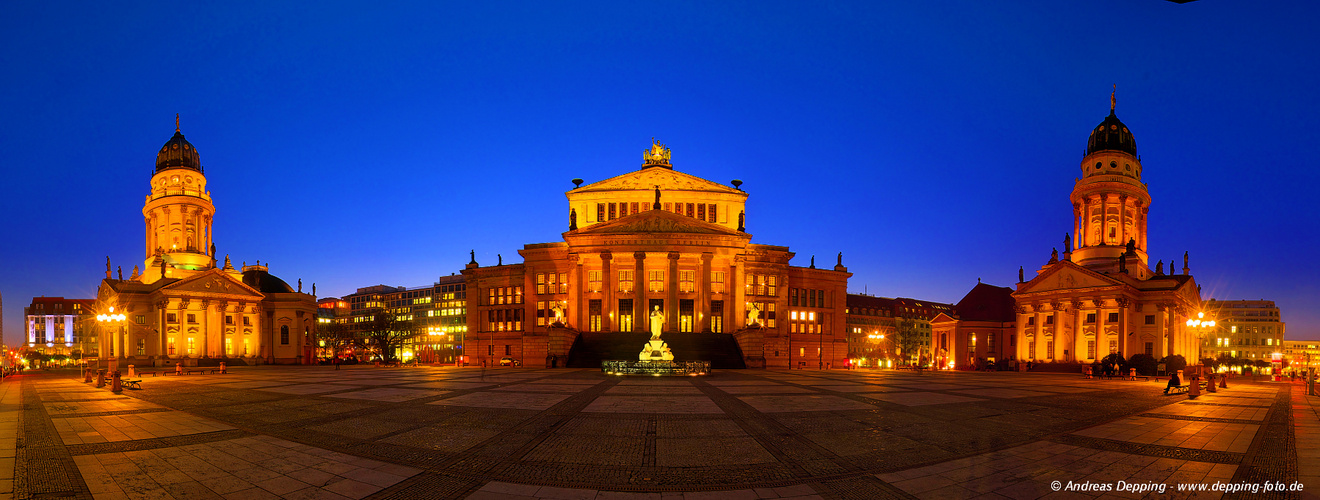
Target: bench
pixel 1181 389
pixel 141 373
pixel 190 371
pixel 135 383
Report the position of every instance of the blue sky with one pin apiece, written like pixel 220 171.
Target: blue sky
pixel 933 143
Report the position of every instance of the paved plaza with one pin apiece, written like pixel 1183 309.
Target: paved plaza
pixel 425 432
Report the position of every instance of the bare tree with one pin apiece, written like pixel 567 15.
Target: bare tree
pixel 339 337
pixel 388 333
pixel 907 338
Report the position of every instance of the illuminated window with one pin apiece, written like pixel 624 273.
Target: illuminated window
pixel 1090 349
pixel 717 316
pixel 685 314
pixel 246 345
pixel 717 282
pixel 1113 346
pixel 1049 349
pixel 229 347
pixel 141 347
pixel 171 347
pixel 1031 349
pixel 192 346
pixel 612 212
pixel 687 280
pixel 625 315
pixel 655 281
pixel 626 280
pixel 593 280
pixel 540 283
pixel 770 286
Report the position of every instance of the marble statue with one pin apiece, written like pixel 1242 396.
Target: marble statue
pixel 656 349
pixel 754 315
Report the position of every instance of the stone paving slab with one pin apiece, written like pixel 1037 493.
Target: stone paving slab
pixel 510 400
pixel 697 404
pixel 83 430
pixel 921 398
pixel 390 394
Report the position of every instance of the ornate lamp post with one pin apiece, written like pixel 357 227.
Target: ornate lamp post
pixel 109 320
pixel 1201 327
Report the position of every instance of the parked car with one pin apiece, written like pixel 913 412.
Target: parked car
pixel 508 361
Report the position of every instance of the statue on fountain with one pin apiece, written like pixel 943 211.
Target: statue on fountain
pixel 656 349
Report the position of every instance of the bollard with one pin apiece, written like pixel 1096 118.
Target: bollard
pixel 1223 381
pixel 1210 382
pixel 87 375
pixel 131 372
pixel 1132 372
pixel 114 383
pixel 1088 372
pixel 1194 388
pixel 178 368
pixel 100 377
pixel 222 368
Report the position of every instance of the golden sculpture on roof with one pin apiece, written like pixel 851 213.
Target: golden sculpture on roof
pixel 658 154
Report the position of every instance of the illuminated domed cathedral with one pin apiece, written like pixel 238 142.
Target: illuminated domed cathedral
pixel 184 305
pixel 656 244
pixel 1100 295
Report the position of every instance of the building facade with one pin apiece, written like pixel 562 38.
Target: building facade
pixel 1301 354
pixel 56 325
pixel 877 326
pixel 1248 329
pixel 437 315
pixel 979 331
pixel 663 243
pixel 182 306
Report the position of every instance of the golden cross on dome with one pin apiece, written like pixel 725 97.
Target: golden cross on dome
pixel 1113 99
pixel 176 122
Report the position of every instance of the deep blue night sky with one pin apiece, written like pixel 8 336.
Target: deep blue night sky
pixel 933 143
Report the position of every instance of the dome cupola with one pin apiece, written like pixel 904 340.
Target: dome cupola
pixel 178 153
pixel 1111 135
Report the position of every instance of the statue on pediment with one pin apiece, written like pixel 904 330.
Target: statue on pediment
pixel 657 154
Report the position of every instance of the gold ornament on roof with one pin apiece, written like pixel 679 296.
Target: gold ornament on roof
pixel 658 154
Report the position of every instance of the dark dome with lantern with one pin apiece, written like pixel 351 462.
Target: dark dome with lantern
pixel 178 153
pixel 1111 135
pixel 259 278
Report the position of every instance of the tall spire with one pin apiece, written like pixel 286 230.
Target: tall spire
pixel 1113 98
pixel 176 122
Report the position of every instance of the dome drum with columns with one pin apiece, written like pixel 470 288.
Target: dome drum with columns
pixel 1110 203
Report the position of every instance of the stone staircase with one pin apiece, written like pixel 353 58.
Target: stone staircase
pixel 721 349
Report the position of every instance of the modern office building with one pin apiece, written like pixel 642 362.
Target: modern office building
pixel 60 326
pixel 1248 329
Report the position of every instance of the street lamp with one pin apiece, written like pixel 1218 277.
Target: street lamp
pixel 880 337
pixel 1201 326
pixel 108 319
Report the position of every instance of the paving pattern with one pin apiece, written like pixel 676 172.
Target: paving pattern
pixel 359 432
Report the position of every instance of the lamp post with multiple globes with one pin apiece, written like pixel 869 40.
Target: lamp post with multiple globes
pixel 879 337
pixel 1201 326
pixel 114 321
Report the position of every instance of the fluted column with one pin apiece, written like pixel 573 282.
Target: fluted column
pixel 608 303
pixel 671 302
pixel 640 284
pixel 703 294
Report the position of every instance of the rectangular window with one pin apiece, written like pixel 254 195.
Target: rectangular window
pixel 768 309
pixel 669 207
pixel 770 286
pixel 1031 350
pixel 593 315
pixel 508 350
pixel 192 346
pixel 563 282
pixel 247 321
pixel 687 280
pixel 990 343
pixel 717 282
pixel 1090 349
pixel 626 281
pixel 229 347
pixel 1150 319
pixel 633 210
pixel 717 316
pixel 192 318
pixel 171 347
pixel 691 212
pixel 1049 349
pixel 1150 348
pixel 140 319
pixel 1113 346
pixel 1031 321
pixel 710 213
pixel 229 320
pixel 625 315
pixel 1113 318
pixel 655 281
pixel 685 315
pixel 142 347
pixel 701 211
pixel 793 297
pixel 593 281
pixel 613 212
pixel 1049 319
pixel 600 212
pixel 1090 318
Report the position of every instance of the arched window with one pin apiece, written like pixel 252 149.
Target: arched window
pixel 284 334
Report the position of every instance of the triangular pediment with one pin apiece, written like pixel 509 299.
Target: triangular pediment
pixel 1066 276
pixel 942 318
pixel 655 221
pixel 211 282
pixel 648 178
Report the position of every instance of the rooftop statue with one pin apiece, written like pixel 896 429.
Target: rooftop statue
pixel 658 154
